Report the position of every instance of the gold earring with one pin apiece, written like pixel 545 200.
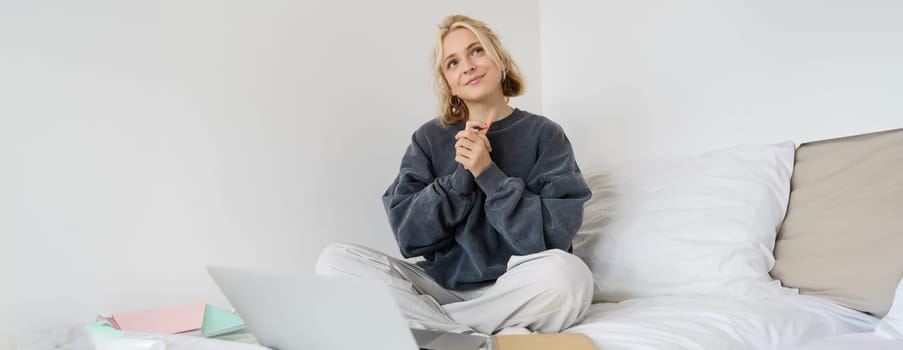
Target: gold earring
pixel 455 102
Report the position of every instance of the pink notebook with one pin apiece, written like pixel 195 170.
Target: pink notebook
pixel 171 319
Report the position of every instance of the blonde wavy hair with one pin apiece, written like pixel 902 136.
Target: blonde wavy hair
pixel 451 108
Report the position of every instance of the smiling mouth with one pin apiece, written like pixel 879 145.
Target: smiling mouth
pixel 475 80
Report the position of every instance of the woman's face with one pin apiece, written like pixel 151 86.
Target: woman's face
pixel 468 70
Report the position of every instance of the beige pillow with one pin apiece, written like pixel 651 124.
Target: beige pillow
pixel 842 238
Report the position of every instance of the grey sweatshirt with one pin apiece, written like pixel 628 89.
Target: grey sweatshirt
pixel 529 200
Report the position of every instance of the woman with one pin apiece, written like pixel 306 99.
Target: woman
pixel 490 196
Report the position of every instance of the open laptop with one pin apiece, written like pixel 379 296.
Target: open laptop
pixel 311 312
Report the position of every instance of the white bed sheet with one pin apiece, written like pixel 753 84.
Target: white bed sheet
pixel 855 341
pixel 705 322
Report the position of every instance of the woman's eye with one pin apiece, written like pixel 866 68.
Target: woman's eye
pixel 476 51
pixel 451 64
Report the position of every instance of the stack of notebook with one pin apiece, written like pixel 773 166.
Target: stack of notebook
pixel 202 319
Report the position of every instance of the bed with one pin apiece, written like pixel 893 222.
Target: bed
pixel 750 247
pixel 659 323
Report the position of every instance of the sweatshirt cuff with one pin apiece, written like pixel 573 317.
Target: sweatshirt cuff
pixel 491 179
pixel 461 181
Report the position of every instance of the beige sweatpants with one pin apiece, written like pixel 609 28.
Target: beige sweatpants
pixel 544 292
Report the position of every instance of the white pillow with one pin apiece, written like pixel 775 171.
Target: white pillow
pixel 700 225
pixel 891 326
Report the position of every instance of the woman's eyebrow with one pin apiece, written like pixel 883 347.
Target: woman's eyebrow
pixel 468 48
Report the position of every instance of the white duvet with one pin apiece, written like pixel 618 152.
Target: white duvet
pixel 705 322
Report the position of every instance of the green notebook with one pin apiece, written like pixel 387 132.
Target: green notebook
pixel 218 322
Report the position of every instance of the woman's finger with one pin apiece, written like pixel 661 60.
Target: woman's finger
pixel 473 124
pixel 462 146
pixel 479 140
pixel 466 134
pixel 469 141
pixel 485 141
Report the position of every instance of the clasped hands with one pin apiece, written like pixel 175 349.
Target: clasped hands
pixel 472 148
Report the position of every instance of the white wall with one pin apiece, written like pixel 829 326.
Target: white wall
pixel 142 140
pixel 658 78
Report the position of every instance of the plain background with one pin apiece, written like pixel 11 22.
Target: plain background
pixel 656 78
pixel 140 141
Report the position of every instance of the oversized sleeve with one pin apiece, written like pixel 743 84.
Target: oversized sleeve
pixel 423 209
pixel 549 218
